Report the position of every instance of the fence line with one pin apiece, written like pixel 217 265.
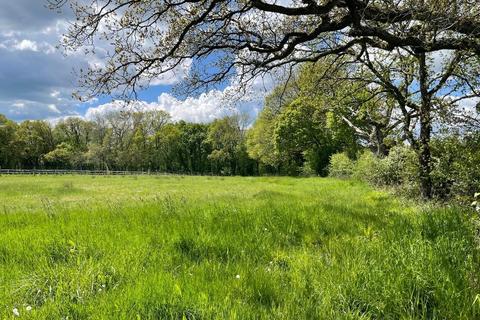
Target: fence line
pixel 85 172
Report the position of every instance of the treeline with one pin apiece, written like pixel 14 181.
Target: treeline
pixel 326 117
pixel 331 118
pixel 128 140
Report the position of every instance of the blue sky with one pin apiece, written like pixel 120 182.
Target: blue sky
pixel 37 80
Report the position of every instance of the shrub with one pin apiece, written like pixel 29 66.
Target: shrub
pixel 306 170
pixel 456 170
pixel 400 166
pixel 368 167
pixel 398 169
pixel 341 166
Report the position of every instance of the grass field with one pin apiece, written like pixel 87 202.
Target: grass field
pixel 80 247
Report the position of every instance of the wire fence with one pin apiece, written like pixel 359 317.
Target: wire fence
pixel 86 172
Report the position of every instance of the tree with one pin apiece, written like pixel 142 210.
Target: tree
pixel 340 89
pixel 7 137
pixel 194 147
pixel 250 38
pixel 63 156
pixel 152 37
pixel 74 131
pixel 227 137
pixel 166 148
pixel 33 140
pixel 426 90
pixel 303 124
pixel 261 142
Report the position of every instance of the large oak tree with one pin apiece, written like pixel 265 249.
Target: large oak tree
pixel 247 38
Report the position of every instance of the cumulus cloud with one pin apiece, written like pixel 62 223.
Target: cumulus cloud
pixel 233 99
pixel 38 80
pixel 31 69
pixel 27 15
pixel 201 109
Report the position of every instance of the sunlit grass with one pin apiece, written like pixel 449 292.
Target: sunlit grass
pixel 246 248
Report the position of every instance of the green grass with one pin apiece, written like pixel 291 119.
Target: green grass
pixel 79 247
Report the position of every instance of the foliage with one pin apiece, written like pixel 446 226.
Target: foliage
pixel 298 127
pixel 62 157
pixel 411 62
pixel 341 166
pixel 369 167
pixel 8 151
pixel 260 139
pixel 128 140
pixel 456 171
pixel 176 247
pixel 33 140
pixel 399 169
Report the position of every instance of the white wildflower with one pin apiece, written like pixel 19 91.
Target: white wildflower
pixel 28 308
pixel 237 276
pixel 16 313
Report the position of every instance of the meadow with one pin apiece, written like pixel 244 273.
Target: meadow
pixel 174 247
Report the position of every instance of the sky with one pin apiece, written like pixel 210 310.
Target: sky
pixel 37 80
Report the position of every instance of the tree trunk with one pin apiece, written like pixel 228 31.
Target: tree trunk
pixel 424 154
pixel 382 150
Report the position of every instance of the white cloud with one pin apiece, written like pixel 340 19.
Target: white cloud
pixel 26 45
pixel 37 80
pixel 204 108
pixel 54 94
pixel 18 105
pixel 24 109
pixel 53 108
pixel 173 76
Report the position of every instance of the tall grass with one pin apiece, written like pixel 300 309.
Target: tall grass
pixel 229 248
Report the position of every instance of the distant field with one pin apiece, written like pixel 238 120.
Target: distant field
pixel 82 247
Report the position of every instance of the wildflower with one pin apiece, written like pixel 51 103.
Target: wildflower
pixel 15 312
pixel 237 276
pixel 28 308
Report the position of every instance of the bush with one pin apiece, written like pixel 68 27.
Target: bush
pixel 399 169
pixel 368 167
pixel 306 170
pixel 456 170
pixel 341 166
pixel 400 166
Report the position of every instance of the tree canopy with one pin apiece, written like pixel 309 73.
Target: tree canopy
pixel 389 47
pixel 152 37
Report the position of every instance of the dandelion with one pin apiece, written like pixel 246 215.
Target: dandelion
pixel 16 313
pixel 237 276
